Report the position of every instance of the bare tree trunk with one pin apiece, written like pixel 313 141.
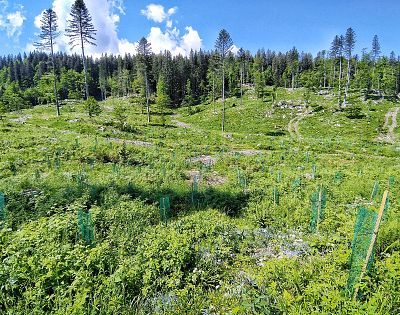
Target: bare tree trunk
pixel 292 81
pixel 223 94
pixel 379 86
pixel 334 72
pixel 147 97
pixel 340 81
pixel 373 76
pixel 355 67
pixel 84 67
pixel 324 73
pixel 347 82
pixel 241 85
pixel 54 75
pixel 214 91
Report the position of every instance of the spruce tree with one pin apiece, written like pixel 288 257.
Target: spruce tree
pixel 213 69
pixel 163 100
pixel 223 45
pixel 188 100
pixel 144 52
pixel 242 58
pixel 376 51
pixel 81 31
pixel 293 62
pixel 334 54
pixel 48 35
pixel 349 41
pixel 376 48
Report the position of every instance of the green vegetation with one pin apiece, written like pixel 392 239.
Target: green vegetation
pixel 133 201
pixel 111 215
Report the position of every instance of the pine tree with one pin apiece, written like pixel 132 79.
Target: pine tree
pixel 259 84
pixel 80 32
pixel 293 61
pixel 144 52
pixel 223 45
pixel 188 100
pixel 323 57
pixel 103 79
pixel 376 48
pixel 349 42
pixel 376 51
pixel 48 35
pixel 242 57
pixel 163 100
pixel 334 54
pixel 212 75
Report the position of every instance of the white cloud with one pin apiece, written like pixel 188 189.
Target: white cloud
pixel 12 23
pixel 235 49
pixel 30 47
pixel 118 5
pixel 172 41
pixel 105 16
pixel 191 40
pixel 126 47
pixel 37 21
pixel 156 13
pixel 172 11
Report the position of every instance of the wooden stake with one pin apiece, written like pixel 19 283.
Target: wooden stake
pixel 373 240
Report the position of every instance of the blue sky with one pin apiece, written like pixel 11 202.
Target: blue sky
pixel 182 25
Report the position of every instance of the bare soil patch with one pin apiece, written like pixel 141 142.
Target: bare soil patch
pixel 131 142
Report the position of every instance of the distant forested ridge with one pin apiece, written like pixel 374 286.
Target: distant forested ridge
pixel 27 80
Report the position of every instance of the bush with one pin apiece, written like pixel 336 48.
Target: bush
pixel 92 107
pixel 354 112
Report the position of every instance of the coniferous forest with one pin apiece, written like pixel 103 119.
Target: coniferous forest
pixel 27 80
pixel 218 182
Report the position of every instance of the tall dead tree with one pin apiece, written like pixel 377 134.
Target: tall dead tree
pixel 48 35
pixel 223 45
pixel 144 52
pixel 349 42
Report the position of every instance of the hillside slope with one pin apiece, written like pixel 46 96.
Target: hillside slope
pixel 81 232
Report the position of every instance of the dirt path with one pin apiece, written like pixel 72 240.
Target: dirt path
pixel 293 126
pixel 390 116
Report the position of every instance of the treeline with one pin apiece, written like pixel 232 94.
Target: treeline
pixel 27 80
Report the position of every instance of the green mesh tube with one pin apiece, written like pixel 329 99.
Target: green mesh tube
pixel 375 190
pixel 275 196
pixel 85 225
pixel 318 205
pixel 392 181
pixel 242 180
pixel 195 190
pixel 296 183
pixel 165 209
pixel 279 177
pixel 363 232
pixel 2 207
pixel 338 179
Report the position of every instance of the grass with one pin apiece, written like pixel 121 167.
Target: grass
pixel 233 251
